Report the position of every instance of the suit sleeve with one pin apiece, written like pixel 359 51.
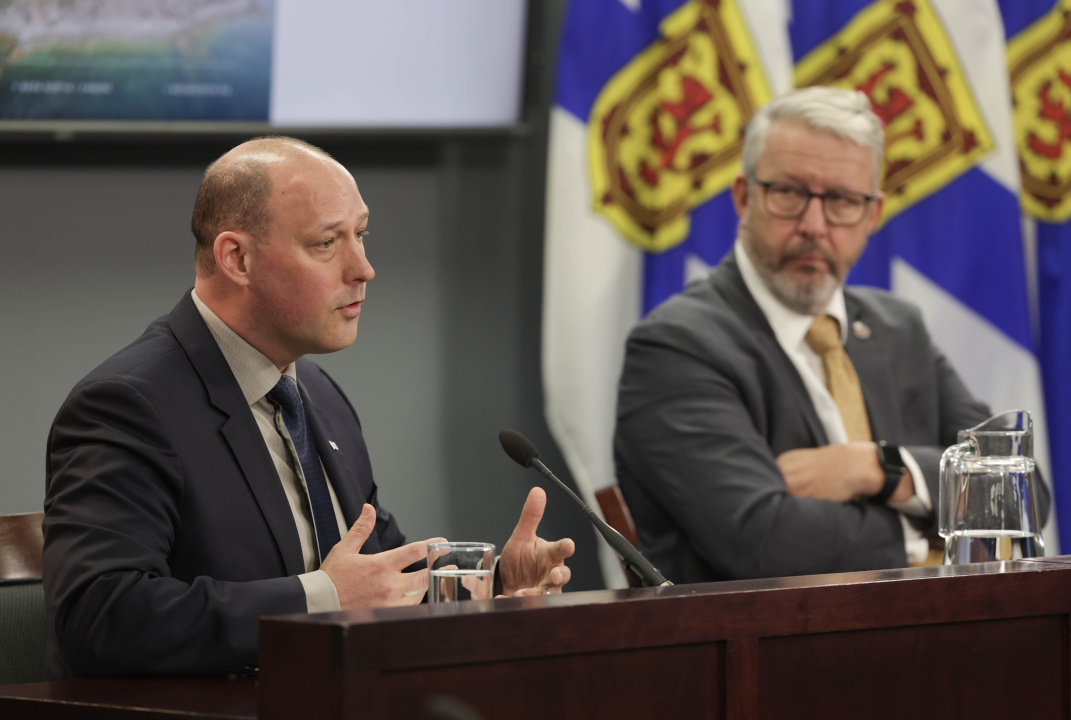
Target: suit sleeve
pixel 695 437
pixel 113 503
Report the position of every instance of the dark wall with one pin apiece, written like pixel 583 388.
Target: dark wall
pixel 97 245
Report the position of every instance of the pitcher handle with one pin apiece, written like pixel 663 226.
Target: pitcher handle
pixel 949 481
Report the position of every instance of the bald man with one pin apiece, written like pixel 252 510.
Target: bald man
pixel 207 474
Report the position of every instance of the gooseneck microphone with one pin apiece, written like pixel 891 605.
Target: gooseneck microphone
pixel 639 568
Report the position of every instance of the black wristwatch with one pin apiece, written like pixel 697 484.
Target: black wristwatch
pixel 893 464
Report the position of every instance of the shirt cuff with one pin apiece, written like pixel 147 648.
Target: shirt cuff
pixel 920 505
pixel 915 543
pixel 320 593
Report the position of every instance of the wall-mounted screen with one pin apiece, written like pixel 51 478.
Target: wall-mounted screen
pixel 281 63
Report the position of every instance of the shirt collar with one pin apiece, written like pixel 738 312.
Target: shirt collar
pixel 255 373
pixel 789 326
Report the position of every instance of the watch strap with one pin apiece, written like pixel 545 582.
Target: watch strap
pixel 893 464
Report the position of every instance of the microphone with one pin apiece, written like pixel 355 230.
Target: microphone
pixel 639 568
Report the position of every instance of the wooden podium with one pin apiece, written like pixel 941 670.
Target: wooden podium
pixel 971 641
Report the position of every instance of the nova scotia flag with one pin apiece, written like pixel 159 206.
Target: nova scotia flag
pixel 645 135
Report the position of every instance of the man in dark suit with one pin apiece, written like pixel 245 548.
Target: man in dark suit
pixel 771 421
pixel 207 474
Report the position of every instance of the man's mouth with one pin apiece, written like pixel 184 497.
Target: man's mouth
pixel 810 259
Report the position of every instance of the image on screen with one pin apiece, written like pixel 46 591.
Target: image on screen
pixel 136 59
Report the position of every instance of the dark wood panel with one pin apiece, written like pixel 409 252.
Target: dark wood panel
pixel 997 669
pixel 677 682
pixel 523 642
pixel 742 677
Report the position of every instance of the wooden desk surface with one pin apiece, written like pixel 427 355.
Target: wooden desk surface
pixel 210 698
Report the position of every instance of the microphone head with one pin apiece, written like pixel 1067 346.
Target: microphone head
pixel 518 447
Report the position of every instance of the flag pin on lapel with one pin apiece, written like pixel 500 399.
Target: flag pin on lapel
pixel 332 444
pixel 859 328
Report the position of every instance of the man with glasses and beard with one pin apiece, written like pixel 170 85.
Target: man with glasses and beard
pixel 771 421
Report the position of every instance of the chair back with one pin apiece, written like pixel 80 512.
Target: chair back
pixel 21 543
pixel 23 624
pixel 615 511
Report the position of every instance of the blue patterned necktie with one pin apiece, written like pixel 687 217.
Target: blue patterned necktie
pixel 286 397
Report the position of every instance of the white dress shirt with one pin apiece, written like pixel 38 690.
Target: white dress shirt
pixel 791 328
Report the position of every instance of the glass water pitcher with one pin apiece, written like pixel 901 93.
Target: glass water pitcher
pixel 988 504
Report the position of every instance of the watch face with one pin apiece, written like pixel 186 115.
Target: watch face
pixel 891 458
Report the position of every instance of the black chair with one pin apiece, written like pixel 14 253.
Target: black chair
pixel 22 600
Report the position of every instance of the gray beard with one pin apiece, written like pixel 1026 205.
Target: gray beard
pixel 806 297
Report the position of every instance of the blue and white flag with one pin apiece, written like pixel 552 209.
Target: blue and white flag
pixel 951 238
pixel 645 139
pixel 1039 65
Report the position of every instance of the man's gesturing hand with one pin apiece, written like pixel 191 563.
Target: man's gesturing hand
pixel 368 581
pixel 529 564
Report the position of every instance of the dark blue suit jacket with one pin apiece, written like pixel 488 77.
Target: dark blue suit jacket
pixel 167 531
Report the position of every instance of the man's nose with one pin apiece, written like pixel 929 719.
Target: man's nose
pixel 813 220
pixel 359 269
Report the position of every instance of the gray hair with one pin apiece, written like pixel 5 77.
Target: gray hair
pixel 843 113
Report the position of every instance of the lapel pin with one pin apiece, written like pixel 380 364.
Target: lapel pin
pixel 861 330
pixel 332 444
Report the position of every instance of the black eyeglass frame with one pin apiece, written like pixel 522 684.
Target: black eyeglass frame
pixel 767 184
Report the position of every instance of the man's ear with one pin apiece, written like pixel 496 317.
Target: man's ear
pixel 740 195
pixel 874 216
pixel 233 254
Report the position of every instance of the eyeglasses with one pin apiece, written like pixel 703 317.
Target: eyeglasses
pixel 841 208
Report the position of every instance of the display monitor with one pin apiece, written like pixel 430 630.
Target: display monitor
pixel 312 64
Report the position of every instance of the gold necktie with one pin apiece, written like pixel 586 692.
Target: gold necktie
pixel 841 380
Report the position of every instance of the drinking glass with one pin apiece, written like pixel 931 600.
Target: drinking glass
pixel 460 571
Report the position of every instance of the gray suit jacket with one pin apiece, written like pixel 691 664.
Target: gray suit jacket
pixel 708 400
